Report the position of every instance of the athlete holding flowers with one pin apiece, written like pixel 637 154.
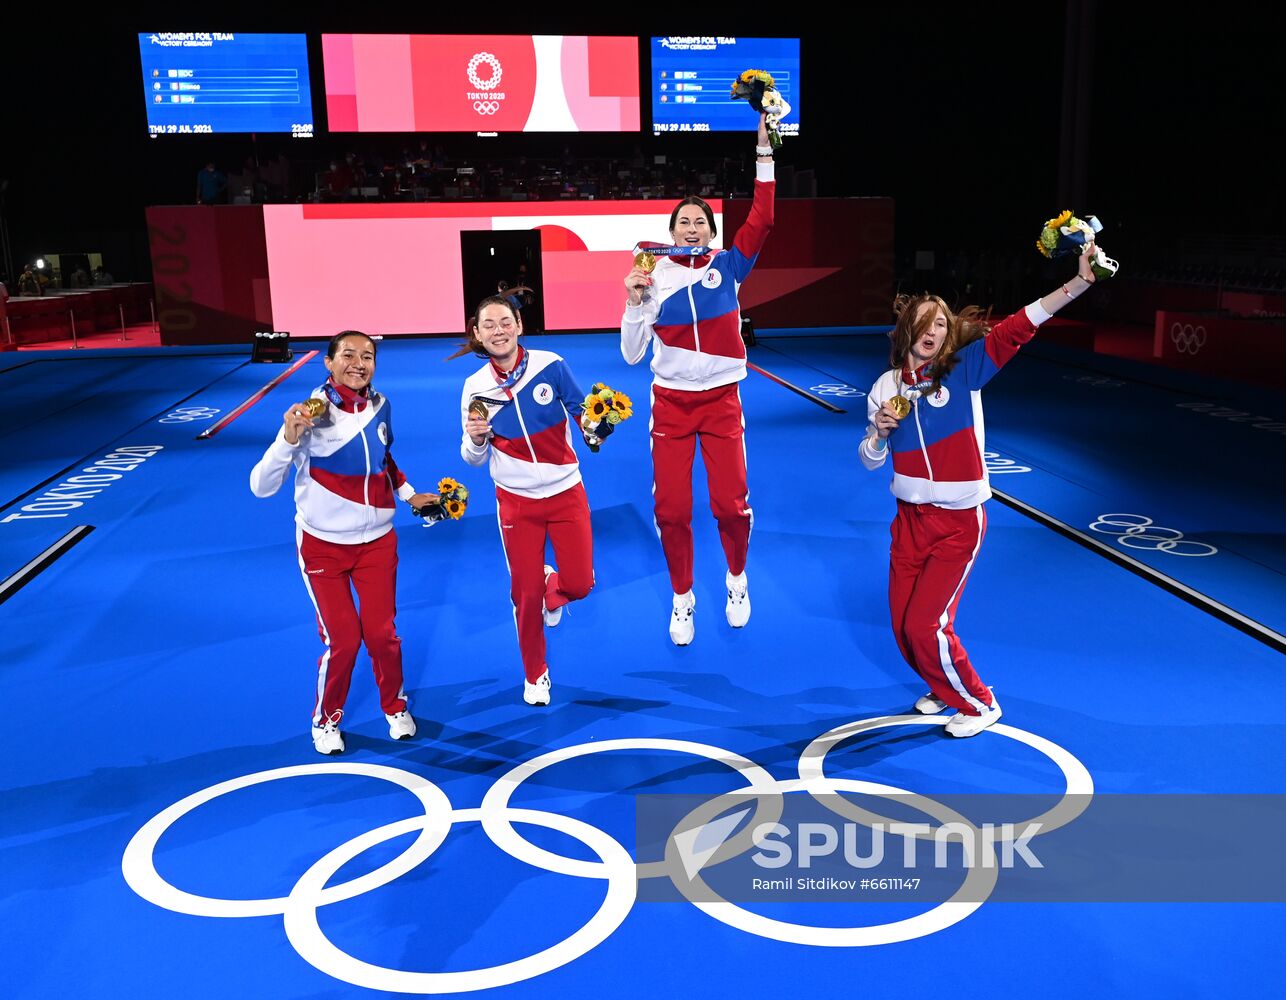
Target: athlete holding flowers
pixel 940 362
pixel 346 484
pixel 516 412
pixel 687 309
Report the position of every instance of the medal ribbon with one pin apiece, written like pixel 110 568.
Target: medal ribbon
pixel 508 381
pixel 661 251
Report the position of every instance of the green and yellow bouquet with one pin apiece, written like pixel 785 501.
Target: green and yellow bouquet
pixel 451 502
pixel 760 89
pixel 1066 236
pixel 604 408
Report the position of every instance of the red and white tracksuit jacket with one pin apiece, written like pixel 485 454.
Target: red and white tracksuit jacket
pixel 345 487
pixel 539 495
pixel 692 318
pixel 940 481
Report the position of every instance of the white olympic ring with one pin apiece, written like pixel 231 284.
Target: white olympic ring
pixel 140 872
pixel 967 898
pixel 1136 531
pixel 812 761
pixel 614 864
pixel 308 939
pixel 493 81
pixel 486 107
pixel 1187 338
pixel 496 802
pixel 836 389
pixel 997 466
pixel 187 414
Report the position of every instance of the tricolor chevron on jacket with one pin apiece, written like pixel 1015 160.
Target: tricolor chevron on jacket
pixel 531 447
pixel 691 314
pixel 345 478
pixel 937 450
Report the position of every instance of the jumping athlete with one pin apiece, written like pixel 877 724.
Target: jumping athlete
pixel 530 399
pixel 687 309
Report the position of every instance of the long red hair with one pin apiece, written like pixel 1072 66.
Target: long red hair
pixel 969 324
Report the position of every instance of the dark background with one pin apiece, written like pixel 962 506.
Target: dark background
pixel 1165 122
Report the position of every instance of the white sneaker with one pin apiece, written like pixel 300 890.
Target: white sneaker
pixel 400 726
pixel 537 693
pixel 738 609
pixel 681 625
pixel 327 738
pixel 971 725
pixel 552 618
pixel 929 705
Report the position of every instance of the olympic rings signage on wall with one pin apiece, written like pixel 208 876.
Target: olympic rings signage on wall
pixel 1189 339
pixel 613 864
pixel 1135 531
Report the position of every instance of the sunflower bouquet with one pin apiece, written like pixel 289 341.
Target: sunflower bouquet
pixel 451 501
pixel 760 89
pixel 1066 236
pixel 604 408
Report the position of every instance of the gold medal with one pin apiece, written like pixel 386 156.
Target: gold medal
pixel 645 262
pixel 900 405
pixel 315 407
pixel 477 408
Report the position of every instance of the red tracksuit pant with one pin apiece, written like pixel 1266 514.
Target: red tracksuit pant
pixel 932 553
pixel 679 420
pixel 525 525
pixel 331 573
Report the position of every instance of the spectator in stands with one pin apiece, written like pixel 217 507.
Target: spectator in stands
pixel 356 168
pixel 211 185
pixel 102 276
pixel 391 182
pixel 339 180
pixel 80 277
pixel 275 175
pixel 28 283
pixel 422 158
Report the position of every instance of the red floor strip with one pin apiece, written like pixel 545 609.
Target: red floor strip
pixel 210 432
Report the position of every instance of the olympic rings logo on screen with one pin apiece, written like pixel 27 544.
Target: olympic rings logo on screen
pixel 486 107
pixel 1187 338
pixel 1135 531
pixel 187 414
pixel 491 82
pixel 835 389
pixel 614 865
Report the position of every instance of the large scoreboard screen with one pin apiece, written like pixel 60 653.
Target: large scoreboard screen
pixel 212 81
pixel 692 75
pixel 481 83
